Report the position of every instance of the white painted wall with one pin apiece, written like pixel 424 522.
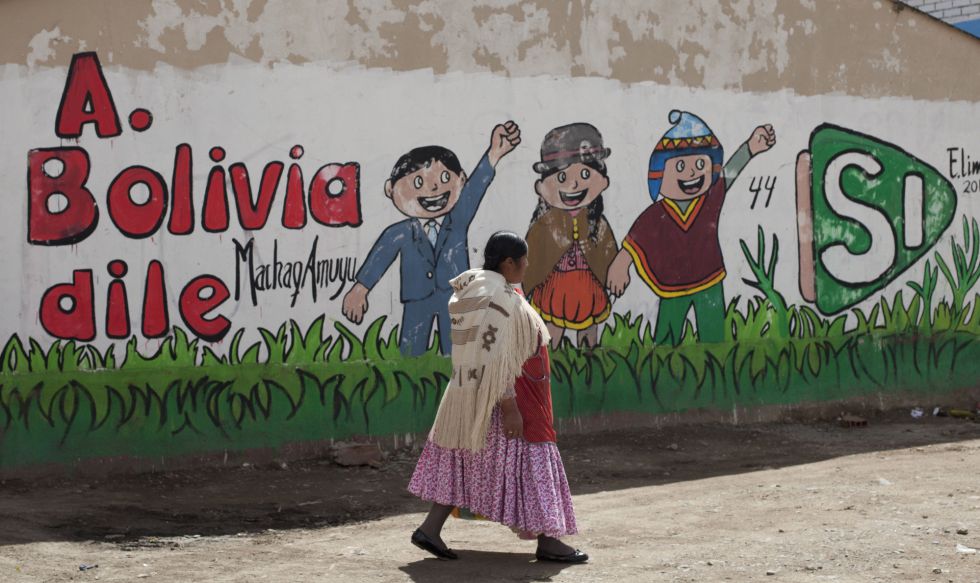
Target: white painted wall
pixel 372 116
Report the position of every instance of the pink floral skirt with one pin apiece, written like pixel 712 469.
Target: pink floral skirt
pixel 518 484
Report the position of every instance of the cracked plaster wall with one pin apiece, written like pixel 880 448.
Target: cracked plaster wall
pixel 857 47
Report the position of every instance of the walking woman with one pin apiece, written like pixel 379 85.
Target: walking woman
pixel 491 451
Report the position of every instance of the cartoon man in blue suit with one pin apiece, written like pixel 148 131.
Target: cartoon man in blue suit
pixel 429 187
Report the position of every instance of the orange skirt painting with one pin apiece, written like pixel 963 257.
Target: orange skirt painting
pixel 574 300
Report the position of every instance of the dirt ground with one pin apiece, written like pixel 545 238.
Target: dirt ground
pixel 898 500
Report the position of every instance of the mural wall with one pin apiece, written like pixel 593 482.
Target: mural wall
pixel 242 256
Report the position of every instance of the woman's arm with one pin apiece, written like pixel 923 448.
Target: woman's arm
pixel 513 422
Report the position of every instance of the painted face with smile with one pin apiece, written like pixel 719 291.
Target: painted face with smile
pixel 686 177
pixel 572 188
pixel 429 192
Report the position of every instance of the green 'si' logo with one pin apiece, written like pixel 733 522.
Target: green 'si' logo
pixel 866 212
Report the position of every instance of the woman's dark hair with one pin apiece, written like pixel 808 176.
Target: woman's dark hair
pixel 595 208
pixel 503 245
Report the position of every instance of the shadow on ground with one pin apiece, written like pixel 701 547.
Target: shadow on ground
pixel 143 510
pixel 474 566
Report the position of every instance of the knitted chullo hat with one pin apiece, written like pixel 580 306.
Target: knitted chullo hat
pixel 689 135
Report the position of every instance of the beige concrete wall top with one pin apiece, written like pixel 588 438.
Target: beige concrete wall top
pixel 859 47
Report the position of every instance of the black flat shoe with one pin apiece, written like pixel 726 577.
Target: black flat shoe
pixel 425 543
pixel 574 557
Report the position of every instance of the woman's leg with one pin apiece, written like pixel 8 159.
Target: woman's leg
pixel 434 521
pixel 589 337
pixel 556 334
pixel 553 546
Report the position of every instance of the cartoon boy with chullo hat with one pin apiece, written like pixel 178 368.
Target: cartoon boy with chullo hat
pixel 674 243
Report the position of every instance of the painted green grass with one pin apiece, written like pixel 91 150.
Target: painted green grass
pixel 60 405
pixel 68 401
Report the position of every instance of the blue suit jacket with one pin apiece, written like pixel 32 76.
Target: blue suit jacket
pixel 425 270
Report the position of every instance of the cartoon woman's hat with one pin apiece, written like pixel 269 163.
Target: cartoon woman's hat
pixel 566 145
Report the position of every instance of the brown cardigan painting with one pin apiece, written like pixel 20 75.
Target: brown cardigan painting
pixel 551 236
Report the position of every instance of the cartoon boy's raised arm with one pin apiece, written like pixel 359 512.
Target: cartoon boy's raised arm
pixel 762 139
pixel 503 140
pixel 736 164
pixel 378 260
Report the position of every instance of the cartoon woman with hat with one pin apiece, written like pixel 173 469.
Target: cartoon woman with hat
pixel 570 242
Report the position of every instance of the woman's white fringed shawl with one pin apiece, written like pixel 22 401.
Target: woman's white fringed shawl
pixel 494 332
